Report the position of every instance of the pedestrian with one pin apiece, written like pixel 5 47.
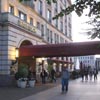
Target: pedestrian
pixel 95 72
pixel 64 79
pixel 90 73
pixel 82 72
pixel 53 75
pixel 43 76
pixel 86 73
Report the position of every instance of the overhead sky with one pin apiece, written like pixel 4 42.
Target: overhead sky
pixel 78 25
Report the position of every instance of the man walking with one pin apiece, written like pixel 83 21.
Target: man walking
pixel 64 79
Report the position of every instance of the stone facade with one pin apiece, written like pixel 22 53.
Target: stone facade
pixel 14 30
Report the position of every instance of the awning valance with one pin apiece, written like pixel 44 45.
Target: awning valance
pixel 61 50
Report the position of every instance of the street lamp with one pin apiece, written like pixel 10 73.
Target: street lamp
pixel 16 56
pixel 17 53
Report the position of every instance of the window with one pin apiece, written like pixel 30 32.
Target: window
pixel 48 35
pixel 57 39
pixel 51 40
pixel 11 9
pixel 31 21
pixel 49 16
pixel 65 3
pixel 61 40
pixel 40 7
pixel 22 16
pixel 38 25
pixel 42 30
pixel 56 22
pixel 56 6
pixel 61 26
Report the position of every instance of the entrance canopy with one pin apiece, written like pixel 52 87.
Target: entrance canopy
pixel 61 50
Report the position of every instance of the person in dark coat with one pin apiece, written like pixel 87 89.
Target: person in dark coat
pixel 43 76
pixel 95 72
pixel 53 75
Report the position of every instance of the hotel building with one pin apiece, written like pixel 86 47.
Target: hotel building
pixel 30 23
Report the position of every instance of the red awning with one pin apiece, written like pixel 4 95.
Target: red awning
pixel 61 50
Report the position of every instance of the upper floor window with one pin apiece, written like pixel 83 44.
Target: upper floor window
pixel 40 7
pixel 48 38
pixel 49 15
pixel 55 38
pixel 65 2
pixel 11 9
pixel 51 37
pixel 56 7
pixel 61 26
pixel 61 40
pixel 22 16
pixel 56 22
pixel 31 21
pixel 38 25
pixel 42 30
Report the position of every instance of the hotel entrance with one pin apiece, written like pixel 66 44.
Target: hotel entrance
pixel 29 60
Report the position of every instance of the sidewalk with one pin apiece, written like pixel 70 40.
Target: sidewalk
pixel 78 90
pixel 15 93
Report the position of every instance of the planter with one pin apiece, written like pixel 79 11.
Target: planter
pixel 22 84
pixel 31 83
pixel 18 83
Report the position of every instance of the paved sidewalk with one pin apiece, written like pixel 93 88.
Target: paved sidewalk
pixel 15 93
pixel 78 90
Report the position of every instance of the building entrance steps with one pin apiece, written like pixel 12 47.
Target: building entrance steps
pixel 78 90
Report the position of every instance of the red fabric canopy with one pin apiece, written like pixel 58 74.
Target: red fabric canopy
pixel 61 50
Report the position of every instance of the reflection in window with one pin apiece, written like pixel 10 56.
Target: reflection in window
pixel 22 16
pixel 49 16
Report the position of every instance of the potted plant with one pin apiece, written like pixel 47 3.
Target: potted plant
pixel 32 82
pixel 31 79
pixel 21 75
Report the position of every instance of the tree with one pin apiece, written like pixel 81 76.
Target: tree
pixel 94 30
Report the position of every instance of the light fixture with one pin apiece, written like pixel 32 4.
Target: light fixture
pixel 43 58
pixel 17 53
pixel 16 56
